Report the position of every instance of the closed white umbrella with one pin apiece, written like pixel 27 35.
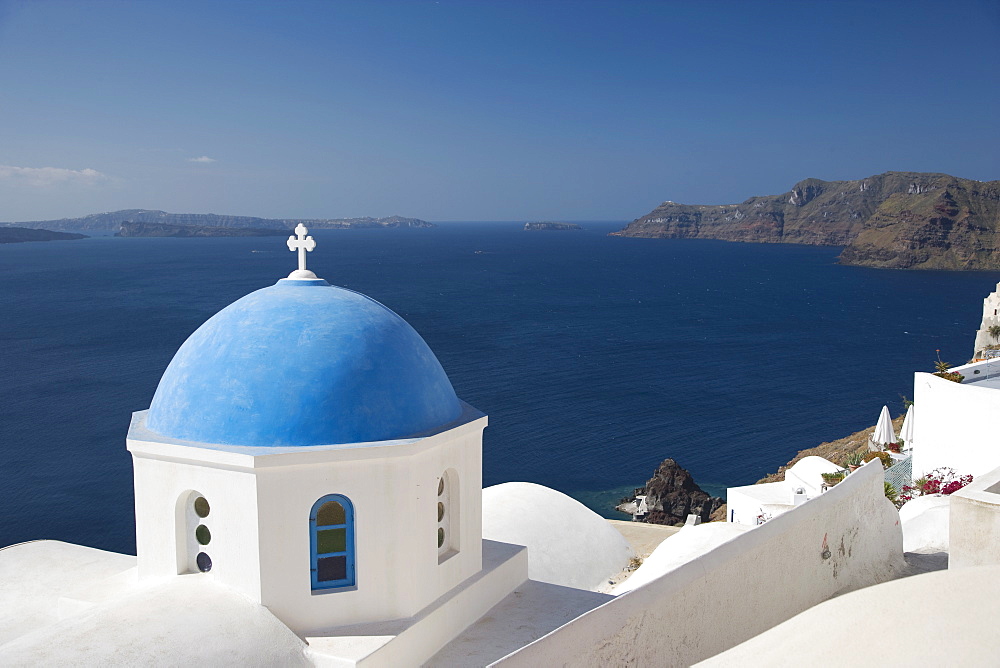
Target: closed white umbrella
pixel 906 433
pixel 883 430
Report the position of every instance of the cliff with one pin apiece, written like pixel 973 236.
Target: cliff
pixel 133 229
pixel 14 235
pixel 111 222
pixel 903 220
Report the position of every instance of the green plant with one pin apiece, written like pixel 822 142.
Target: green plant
pixel 854 459
pixel 907 402
pixel 833 478
pixel 890 491
pixel 939 366
pixel 994 331
pixel 884 456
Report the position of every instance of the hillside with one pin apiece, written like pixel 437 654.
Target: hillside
pixel 898 220
pixel 131 229
pixel 14 235
pixel 111 222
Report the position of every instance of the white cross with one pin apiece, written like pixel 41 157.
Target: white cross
pixel 301 243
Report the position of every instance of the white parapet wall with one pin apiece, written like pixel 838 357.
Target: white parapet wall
pixel 974 523
pixel 844 539
pixel 954 423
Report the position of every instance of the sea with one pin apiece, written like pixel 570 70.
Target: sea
pixel 595 357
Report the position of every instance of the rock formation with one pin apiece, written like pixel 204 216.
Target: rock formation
pixel 897 220
pixel 672 494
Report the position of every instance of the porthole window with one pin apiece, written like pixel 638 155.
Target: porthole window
pixel 201 507
pixel 203 535
pixel 331 529
pixel 204 562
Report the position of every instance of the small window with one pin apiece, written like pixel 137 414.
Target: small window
pixel 446 509
pixel 331 531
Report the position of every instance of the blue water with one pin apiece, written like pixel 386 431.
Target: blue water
pixel 595 357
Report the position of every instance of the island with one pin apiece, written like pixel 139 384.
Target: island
pixel 111 222
pixel 901 220
pixel 133 229
pixel 16 235
pixel 546 225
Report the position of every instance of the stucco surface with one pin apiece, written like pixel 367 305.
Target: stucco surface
pixel 689 543
pixel 950 619
pixel 842 540
pixel 568 544
pixel 188 620
pixel 925 522
pixel 35 575
pixel 531 611
pixel 302 363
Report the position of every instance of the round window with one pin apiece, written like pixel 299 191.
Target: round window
pixel 440 537
pixel 201 507
pixel 203 535
pixel 204 562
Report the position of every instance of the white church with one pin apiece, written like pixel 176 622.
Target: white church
pixel 308 491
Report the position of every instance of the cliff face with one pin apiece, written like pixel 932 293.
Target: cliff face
pixel 111 222
pixel 896 219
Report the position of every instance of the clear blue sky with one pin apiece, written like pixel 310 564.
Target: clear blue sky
pixel 476 110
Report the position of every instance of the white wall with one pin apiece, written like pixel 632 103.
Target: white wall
pixel 260 505
pixel 974 526
pixel 744 504
pixel 955 423
pixel 741 588
pixel 991 308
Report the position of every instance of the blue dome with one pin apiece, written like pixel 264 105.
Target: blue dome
pixel 302 363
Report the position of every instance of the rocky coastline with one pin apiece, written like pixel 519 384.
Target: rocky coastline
pixel 896 220
pixel 672 494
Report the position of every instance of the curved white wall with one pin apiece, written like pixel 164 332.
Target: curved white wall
pixel 842 540
pixel 568 544
pixel 955 423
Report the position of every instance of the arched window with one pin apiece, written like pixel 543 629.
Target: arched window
pixel 331 541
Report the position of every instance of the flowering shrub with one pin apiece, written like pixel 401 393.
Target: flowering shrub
pixel 942 480
pixel 884 456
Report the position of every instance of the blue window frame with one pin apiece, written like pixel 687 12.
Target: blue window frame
pixel 331 542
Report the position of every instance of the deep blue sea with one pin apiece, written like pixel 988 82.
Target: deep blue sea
pixel 595 357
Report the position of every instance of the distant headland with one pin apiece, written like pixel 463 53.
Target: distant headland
pixel 14 235
pixel 109 223
pixel 900 220
pixel 132 229
pixel 547 225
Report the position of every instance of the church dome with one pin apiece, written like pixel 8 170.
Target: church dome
pixel 302 363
